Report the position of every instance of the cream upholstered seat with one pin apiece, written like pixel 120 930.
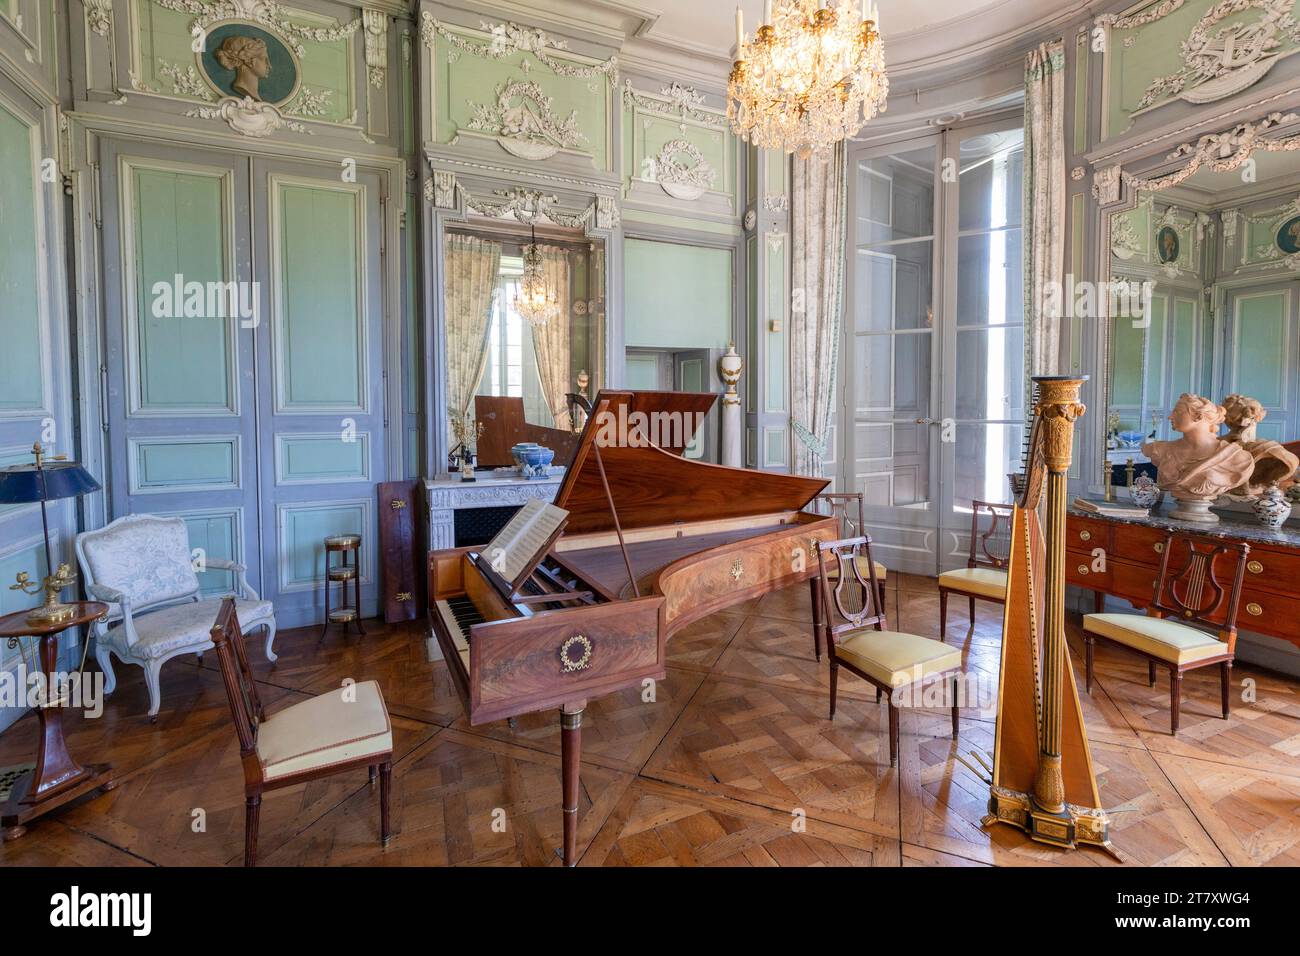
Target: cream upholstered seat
pixel 337 727
pixel 986 582
pixel 1168 640
pixel 895 658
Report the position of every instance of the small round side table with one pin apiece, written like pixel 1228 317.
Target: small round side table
pixel 346 546
pixel 57 777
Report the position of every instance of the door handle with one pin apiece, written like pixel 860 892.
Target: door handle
pixel 927 421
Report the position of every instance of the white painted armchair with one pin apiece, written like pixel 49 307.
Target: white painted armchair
pixel 141 567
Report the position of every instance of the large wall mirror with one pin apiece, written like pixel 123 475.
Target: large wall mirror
pixel 1219 253
pixel 525 314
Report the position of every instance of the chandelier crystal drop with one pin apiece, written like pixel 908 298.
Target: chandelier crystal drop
pixel 536 301
pixel 811 76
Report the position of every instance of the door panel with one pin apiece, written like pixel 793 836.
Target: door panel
pixel 322 437
pixel 178 346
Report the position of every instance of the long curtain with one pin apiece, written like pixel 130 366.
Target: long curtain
pixel 473 270
pixel 819 201
pixel 1044 204
pixel 551 339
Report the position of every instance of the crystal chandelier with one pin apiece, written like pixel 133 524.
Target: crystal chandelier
pixel 535 300
pixel 813 74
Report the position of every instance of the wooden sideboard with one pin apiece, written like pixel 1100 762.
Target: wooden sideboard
pixel 1270 598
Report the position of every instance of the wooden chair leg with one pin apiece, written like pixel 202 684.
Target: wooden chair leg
pixel 374 772
pixel 835 682
pixel 1225 678
pixel 955 708
pixel 943 613
pixel 1087 663
pixel 1175 697
pixel 252 810
pixel 385 788
pixel 893 734
pixel 972 612
pixel 815 590
pixel 1151 673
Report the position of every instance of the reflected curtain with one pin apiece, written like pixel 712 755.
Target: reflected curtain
pixel 1044 204
pixel 551 340
pixel 818 210
pixel 473 270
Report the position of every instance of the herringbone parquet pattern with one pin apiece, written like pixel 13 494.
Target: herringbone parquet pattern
pixel 729 761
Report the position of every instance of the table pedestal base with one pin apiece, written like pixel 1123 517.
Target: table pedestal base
pixel 18 810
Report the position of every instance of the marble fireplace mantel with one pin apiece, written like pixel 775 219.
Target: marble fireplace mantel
pixel 446 496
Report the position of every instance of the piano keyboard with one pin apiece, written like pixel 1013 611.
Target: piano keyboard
pixel 458 615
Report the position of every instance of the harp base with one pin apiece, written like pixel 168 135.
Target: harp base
pixel 1068 828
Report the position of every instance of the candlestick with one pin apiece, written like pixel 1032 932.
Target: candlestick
pixel 767 12
pixel 740 31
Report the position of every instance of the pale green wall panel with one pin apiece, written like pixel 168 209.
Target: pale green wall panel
pixel 180 226
pixel 319 334
pixel 642 372
pixel 776 299
pixel 315 459
pixel 1182 361
pixel 217 533
pixel 182 464
pixel 302 540
pixel 21 384
pixel 1261 353
pixel 677 296
pixel 30 559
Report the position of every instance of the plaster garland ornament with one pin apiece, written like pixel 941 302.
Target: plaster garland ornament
pixel 527 206
pixel 248 117
pixel 440 189
pixel 99 16
pixel 523 122
pixel 1116 22
pixel 186 82
pixel 1221 152
pixel 675 101
pixel 375 25
pixel 1218 63
pixel 268 13
pixel 779 203
pixel 1229 217
pixel 1077 174
pixel 507 39
pixel 689 179
pixel 608 215
pixel 1105 185
pixel 1125 242
pixel 310 103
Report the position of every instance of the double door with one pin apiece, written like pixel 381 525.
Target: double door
pixel 244 360
pixel 934 368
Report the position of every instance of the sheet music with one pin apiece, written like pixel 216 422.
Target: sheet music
pixel 523 538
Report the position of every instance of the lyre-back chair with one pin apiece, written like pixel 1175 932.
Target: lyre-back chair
pixel 335 732
pixel 1194 594
pixel 857 638
pixel 985 576
pixel 847 508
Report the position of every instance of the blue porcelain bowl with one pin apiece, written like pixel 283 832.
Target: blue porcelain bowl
pixel 1131 439
pixel 515 451
pixel 535 462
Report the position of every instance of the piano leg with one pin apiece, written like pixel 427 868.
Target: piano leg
pixel 570 754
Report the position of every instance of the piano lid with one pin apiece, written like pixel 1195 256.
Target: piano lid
pixel 651 486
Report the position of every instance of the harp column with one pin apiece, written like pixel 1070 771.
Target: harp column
pixel 1058 407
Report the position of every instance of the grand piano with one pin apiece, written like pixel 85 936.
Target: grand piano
pixel 653 541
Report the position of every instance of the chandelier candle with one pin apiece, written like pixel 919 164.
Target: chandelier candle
pixel 812 75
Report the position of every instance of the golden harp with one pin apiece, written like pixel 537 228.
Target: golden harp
pixel 1043 780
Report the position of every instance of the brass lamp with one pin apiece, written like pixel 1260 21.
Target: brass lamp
pixel 48 479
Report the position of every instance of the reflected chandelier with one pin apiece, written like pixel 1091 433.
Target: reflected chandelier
pixel 536 301
pixel 813 74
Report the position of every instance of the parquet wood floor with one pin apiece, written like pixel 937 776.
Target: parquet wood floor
pixel 730 762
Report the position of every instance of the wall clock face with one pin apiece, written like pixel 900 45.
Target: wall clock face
pixel 244 61
pixel 1167 244
pixel 1288 236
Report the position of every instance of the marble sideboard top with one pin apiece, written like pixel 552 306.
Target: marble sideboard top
pixel 1232 524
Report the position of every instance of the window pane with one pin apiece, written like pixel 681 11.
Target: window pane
pixel 986 454
pixel 989 286
pixel 991 176
pixel 895 197
pixel 990 373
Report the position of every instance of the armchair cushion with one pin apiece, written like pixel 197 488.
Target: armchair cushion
pixel 144 557
pixel 160 632
pixel 1168 640
pixel 894 658
pixel 984 582
pixel 325 730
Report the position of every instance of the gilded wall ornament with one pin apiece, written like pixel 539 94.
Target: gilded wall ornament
pixel 523 123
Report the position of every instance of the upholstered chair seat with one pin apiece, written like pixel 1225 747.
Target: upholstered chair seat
pixel 1168 640
pixel 141 567
pixel 895 658
pixel 340 726
pixel 986 582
